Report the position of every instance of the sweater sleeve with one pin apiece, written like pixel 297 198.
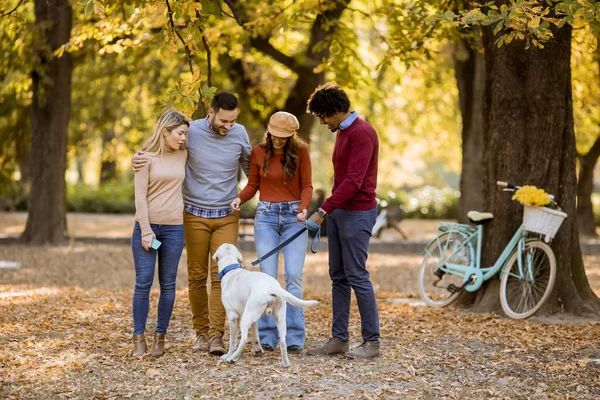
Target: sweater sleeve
pixel 306 188
pixel 142 178
pixel 253 179
pixel 246 152
pixel 361 151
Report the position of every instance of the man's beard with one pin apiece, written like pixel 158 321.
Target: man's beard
pixel 213 126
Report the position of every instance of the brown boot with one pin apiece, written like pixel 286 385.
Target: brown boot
pixel 139 345
pixel 332 347
pixel 215 346
pixel 158 347
pixel 366 350
pixel 201 342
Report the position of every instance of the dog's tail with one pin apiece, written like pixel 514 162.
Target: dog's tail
pixel 293 300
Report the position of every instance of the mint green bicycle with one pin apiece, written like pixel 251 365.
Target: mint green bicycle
pixel 452 260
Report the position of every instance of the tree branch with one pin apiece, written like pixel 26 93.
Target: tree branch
pixel 223 11
pixel 13 10
pixel 262 44
pixel 234 9
pixel 187 51
pixel 207 49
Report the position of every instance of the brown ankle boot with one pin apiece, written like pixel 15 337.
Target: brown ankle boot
pixel 158 347
pixel 139 345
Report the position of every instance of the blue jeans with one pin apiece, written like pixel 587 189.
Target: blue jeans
pixel 169 253
pixel 274 223
pixel 349 233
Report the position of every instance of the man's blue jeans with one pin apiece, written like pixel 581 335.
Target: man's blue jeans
pixel 169 253
pixel 274 223
pixel 348 234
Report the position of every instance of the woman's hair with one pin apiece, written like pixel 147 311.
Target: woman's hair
pixel 291 151
pixel 170 120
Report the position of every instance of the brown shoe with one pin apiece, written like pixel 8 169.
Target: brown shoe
pixel 158 347
pixel 365 350
pixel 215 346
pixel 201 342
pixel 332 347
pixel 139 345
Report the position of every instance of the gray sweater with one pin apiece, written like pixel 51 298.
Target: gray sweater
pixel 213 163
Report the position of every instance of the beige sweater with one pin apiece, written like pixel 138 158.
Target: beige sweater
pixel 158 198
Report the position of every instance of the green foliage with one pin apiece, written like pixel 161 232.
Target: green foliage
pixel 106 199
pixel 585 69
pixel 530 20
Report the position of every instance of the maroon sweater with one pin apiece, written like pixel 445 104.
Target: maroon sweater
pixel 355 158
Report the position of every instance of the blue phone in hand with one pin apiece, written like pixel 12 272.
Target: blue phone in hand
pixel 155 244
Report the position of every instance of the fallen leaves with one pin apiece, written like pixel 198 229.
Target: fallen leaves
pixel 65 329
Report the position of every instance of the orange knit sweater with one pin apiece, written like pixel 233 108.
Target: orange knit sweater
pixel 274 187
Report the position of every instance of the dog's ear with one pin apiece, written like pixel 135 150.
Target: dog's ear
pixel 217 254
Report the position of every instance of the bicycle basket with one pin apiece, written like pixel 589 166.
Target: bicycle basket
pixel 542 220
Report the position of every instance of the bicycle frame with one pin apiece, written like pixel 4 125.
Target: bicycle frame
pixel 470 237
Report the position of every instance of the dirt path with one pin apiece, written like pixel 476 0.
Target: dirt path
pixel 65 329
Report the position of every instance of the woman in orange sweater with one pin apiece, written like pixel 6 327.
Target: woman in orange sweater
pixel 280 168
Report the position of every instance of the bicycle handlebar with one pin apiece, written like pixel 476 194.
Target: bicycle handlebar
pixel 507 185
pixel 511 187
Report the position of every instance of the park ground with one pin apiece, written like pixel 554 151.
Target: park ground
pixel 65 329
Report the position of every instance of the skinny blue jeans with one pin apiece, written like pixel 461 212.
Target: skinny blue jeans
pixel 169 253
pixel 274 223
pixel 348 235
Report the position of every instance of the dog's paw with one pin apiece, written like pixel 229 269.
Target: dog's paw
pixel 230 361
pixel 285 365
pixel 259 351
pixel 224 357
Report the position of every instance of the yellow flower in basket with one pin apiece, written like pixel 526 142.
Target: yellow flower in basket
pixel 531 196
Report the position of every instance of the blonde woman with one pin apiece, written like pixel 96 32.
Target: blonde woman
pixel 158 230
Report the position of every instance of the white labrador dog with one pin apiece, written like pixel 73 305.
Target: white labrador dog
pixel 247 295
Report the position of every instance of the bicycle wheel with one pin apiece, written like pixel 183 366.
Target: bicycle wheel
pixel 522 293
pixel 433 279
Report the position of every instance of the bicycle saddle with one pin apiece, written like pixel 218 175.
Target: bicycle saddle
pixel 479 218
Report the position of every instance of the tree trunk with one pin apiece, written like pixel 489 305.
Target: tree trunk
pixel 585 188
pixel 108 168
pixel 321 31
pixel 529 139
pixel 470 78
pixel 324 26
pixel 50 110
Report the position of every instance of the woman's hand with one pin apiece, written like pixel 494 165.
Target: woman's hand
pixel 147 241
pixel 235 204
pixel 302 215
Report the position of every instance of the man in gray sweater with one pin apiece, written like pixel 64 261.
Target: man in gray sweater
pixel 217 148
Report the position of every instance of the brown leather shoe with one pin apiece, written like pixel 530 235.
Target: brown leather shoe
pixel 332 347
pixel 201 342
pixel 158 347
pixel 365 350
pixel 139 345
pixel 215 346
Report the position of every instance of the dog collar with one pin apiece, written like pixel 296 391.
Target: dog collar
pixel 228 268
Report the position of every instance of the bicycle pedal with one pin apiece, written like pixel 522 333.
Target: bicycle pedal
pixel 453 288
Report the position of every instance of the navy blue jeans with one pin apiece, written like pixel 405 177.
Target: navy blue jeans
pixel 169 253
pixel 349 233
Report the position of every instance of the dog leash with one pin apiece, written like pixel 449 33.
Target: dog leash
pixel 310 226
